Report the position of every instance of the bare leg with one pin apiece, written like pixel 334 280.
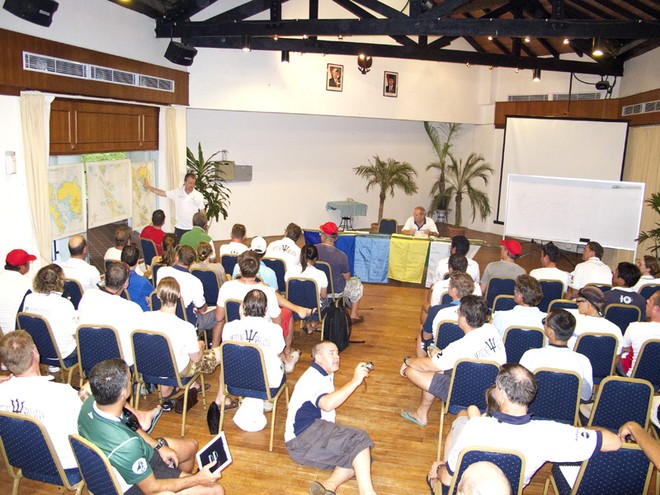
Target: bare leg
pixel 362 468
pixel 217 328
pixel 338 477
pixel 421 379
pixel 354 309
pixel 185 449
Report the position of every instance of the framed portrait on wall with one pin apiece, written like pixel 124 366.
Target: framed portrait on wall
pixel 334 78
pixel 391 84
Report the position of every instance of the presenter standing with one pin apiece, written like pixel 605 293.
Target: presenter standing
pixel 187 202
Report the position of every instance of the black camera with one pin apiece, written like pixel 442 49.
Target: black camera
pixel 369 365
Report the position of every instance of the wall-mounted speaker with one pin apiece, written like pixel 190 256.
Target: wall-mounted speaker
pixel 36 11
pixel 179 53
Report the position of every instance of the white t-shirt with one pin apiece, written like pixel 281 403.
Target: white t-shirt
pixel 472 269
pixel 449 313
pixel 233 248
pixel 310 272
pixel 192 289
pixel 303 406
pixel 481 343
pixel 285 249
pixel 561 358
pixel 186 206
pixel 645 280
pixel 87 275
pixel 235 289
pixel 442 286
pixel 592 271
pixel 182 334
pixel 112 254
pixel 13 287
pixel 55 405
pixel 637 334
pixel 519 316
pixel 594 324
pixel 98 307
pixel 61 316
pixel 265 334
pixel 551 274
pixel 428 224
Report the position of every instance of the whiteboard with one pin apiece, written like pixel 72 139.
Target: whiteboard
pixel 574 210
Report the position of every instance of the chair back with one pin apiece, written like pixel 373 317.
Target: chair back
pixel 503 302
pixel 228 262
pixel 387 226
pixel 279 267
pixel 621 399
pixel 469 382
pixel 558 396
pixel 445 298
pixel 600 348
pixel 327 269
pixel 96 344
pixel 518 340
pixel 232 309
pixel 647 365
pixel 447 332
pixel 39 329
pixel 303 292
pixel 125 295
pixel 149 250
pixel 511 462
pixel 552 289
pixel 95 467
pixel 154 272
pixel 151 351
pixel 562 304
pixel 28 449
pixel 211 284
pixel 243 371
pixel 72 291
pixel 107 263
pixel 602 287
pixel 626 470
pixel 154 304
pixel 497 286
pixel 647 290
pixel 622 315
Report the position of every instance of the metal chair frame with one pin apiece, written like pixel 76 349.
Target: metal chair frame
pixel 621 310
pixel 94 466
pixel 562 303
pixel 603 389
pixel 471 455
pixel 447 332
pixel 510 334
pixel 211 289
pixel 278 265
pixel 149 250
pixel 555 400
pixel 598 377
pixel 651 348
pixel 97 331
pixel 549 288
pixel 504 282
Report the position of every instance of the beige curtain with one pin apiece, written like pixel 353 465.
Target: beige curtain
pixel 642 164
pixel 174 179
pixel 35 122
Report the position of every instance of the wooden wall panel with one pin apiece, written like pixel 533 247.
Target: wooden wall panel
pixel 78 126
pixel 14 79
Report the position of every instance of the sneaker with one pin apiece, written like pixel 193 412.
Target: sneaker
pixel 268 406
pixel 290 365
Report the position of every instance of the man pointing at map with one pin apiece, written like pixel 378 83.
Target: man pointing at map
pixel 187 202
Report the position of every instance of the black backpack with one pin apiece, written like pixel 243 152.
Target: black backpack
pixel 337 326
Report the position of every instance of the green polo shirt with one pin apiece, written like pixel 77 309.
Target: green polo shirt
pixel 127 452
pixel 193 237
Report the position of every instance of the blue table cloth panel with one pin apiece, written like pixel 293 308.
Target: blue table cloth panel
pixel 372 255
pixel 345 243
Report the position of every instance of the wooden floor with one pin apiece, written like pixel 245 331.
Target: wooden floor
pixel 403 451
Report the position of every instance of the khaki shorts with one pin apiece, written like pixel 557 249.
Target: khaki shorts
pixel 206 365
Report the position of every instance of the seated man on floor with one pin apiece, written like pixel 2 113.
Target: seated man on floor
pixel 433 374
pixel 314 439
pixel 142 464
pixel 512 428
pixel 527 294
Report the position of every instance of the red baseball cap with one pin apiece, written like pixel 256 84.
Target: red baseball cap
pixel 18 257
pixel 512 246
pixel 329 228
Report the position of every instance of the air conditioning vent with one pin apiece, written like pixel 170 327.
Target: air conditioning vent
pixel 637 108
pixel 576 96
pixel 528 97
pixel 70 68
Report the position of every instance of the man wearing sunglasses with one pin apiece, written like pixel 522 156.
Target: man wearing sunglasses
pixel 589 317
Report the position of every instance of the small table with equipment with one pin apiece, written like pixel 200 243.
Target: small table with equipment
pixel 348 210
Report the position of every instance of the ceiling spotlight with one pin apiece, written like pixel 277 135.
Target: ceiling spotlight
pixel 285 57
pixel 275 37
pixel 40 13
pixel 246 43
pixel 537 75
pixel 305 36
pixel 527 39
pixel 517 70
pixel 180 54
pixel 340 37
pixel 490 37
pixel 468 64
pixel 364 63
pixel 566 41
pixel 597 48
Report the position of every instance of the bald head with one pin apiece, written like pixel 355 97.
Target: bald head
pixel 77 246
pixel 484 478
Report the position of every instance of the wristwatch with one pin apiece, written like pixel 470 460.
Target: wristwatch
pixel 161 443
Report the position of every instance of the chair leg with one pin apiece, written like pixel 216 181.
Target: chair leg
pixel 442 422
pixel 286 391
pixel 203 389
pixel 272 424
pixel 17 482
pixel 185 410
pixel 222 413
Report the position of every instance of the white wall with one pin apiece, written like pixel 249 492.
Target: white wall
pixel 641 74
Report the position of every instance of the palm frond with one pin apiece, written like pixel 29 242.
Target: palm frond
pixel 210 182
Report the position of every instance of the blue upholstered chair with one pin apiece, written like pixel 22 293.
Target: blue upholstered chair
pixel 518 340
pixel 29 453
pixel 497 286
pixel 602 287
pixel 155 363
pixel 446 333
pixel 387 226
pixel 648 290
pixel 279 267
pixel 49 353
pixel 232 307
pixel 558 396
pixel 562 304
pixel 149 250
pixel 327 269
pixel 154 272
pixel 243 373
pixel 503 302
pixel 647 365
pixel 228 262
pixel 552 289
pixel 154 304
pixel 95 468
pixel 304 292
pixel 600 348
pixel 211 284
pixel 511 462
pixel 72 291
pixel 96 344
pixel 622 315
pixel 621 399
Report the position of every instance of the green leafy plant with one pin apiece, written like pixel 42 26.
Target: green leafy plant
pixel 442 136
pixel 652 235
pixel 461 178
pixel 388 175
pixel 210 182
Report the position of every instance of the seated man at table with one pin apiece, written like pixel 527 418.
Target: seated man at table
pixel 420 224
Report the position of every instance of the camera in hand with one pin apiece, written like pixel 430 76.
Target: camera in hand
pixel 369 365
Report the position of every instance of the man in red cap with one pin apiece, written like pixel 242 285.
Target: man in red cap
pixel 506 267
pixel 13 286
pixel 344 285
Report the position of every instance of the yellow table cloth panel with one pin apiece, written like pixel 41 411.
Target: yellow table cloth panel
pixel 407 258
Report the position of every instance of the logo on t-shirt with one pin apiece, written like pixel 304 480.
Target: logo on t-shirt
pixel 140 466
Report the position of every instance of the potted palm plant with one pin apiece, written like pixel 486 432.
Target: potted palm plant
pixel 388 175
pixel 461 177
pixel 441 135
pixel 210 182
pixel 652 235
